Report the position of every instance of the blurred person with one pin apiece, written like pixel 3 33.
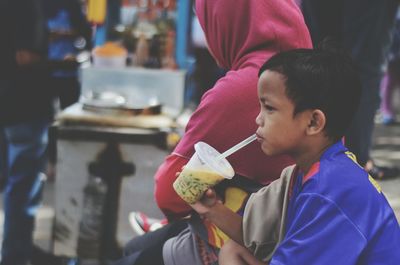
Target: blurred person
pixel 391 79
pixel 240 37
pixel 69 32
pixel 25 113
pixel 363 28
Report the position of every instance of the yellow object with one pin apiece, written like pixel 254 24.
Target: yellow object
pixel 173 139
pixel 235 199
pixel 191 184
pixel 96 11
pixel 375 184
pixel 110 49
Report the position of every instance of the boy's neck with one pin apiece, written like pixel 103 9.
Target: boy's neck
pixel 312 153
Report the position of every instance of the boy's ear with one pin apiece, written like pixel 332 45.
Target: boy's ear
pixel 317 122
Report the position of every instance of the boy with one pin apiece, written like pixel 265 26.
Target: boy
pixel 333 212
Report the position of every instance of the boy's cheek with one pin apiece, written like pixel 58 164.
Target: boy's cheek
pixel 266 150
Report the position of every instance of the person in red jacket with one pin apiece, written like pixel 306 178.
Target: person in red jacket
pixel 240 35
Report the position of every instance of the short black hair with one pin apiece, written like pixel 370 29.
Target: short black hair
pixel 324 78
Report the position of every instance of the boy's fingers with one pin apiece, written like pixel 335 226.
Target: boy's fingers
pixel 209 197
pixel 211 193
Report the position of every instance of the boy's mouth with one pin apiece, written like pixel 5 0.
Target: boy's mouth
pixel 259 138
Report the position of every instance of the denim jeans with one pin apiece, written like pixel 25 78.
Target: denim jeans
pixel 25 144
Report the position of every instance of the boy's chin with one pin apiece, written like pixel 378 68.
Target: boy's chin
pixel 270 152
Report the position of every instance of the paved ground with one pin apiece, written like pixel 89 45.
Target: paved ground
pixel 386 150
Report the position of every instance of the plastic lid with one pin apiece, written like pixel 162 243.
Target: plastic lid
pixel 208 155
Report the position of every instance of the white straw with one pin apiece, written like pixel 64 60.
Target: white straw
pixel 235 148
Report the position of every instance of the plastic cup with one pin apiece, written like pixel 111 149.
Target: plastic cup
pixel 204 170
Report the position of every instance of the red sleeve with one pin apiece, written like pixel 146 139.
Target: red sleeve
pixel 167 200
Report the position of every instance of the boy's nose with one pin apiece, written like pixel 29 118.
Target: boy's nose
pixel 258 119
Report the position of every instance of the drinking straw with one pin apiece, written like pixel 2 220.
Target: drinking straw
pixel 236 147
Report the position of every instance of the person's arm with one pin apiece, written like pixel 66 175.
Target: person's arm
pixel 27 58
pixel 30 35
pixel 174 207
pixel 30 31
pixel 232 253
pixel 167 200
pixel 223 217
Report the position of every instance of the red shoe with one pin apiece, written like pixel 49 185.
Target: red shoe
pixel 142 224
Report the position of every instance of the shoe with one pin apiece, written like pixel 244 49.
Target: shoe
pixel 388 120
pixel 142 224
pixel 381 172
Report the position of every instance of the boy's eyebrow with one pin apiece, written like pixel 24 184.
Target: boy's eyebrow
pixel 263 99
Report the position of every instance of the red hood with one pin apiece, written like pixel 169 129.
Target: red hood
pixel 237 30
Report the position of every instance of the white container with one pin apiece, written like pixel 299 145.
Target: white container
pixel 109 61
pixel 167 86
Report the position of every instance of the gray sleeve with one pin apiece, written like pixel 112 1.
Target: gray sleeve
pixel 264 217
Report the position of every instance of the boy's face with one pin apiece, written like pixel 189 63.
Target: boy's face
pixel 279 132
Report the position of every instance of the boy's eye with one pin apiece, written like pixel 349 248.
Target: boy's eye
pixel 265 105
pixel 269 108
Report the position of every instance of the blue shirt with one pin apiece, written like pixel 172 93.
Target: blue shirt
pixel 62 47
pixel 337 214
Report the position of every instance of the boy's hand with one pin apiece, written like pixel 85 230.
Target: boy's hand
pixel 211 208
pixel 206 203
